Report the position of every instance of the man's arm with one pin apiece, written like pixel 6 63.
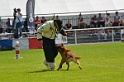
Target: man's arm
pixel 39 34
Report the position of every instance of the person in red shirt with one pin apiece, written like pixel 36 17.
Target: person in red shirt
pixel 37 21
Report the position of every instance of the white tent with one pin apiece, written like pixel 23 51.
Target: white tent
pixel 61 6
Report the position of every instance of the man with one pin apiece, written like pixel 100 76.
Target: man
pixel 100 21
pixel 81 22
pixel 46 34
pixel 93 21
pixel 17 23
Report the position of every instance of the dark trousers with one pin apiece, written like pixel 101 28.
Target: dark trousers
pixel 50 49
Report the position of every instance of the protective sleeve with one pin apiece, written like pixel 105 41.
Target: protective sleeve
pixel 62 32
pixel 39 33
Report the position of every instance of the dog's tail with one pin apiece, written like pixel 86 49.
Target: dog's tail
pixel 77 57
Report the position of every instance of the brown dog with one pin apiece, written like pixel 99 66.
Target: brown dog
pixel 67 56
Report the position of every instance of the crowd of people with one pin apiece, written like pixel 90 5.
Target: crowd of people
pixel 96 21
pixel 100 21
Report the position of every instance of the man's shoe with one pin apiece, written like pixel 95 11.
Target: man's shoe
pixel 52 66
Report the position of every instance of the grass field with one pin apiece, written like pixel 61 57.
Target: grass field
pixel 100 63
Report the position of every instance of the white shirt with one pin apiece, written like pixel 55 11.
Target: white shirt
pixel 18 17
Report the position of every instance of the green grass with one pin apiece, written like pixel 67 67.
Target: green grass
pixel 100 63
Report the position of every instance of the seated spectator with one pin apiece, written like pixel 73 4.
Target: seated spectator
pixel 37 21
pixel 43 20
pixel 81 22
pixel 108 23
pixel 115 24
pixel 93 22
pixel 116 20
pixel 68 26
pixel 9 25
pixel 100 21
pixel 4 34
pixel 116 17
pixel 107 16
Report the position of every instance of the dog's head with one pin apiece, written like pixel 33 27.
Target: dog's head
pixel 59 26
pixel 61 47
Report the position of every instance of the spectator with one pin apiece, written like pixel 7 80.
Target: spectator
pixel 4 34
pixel 93 22
pixel 100 21
pixel 43 20
pixel 9 25
pixel 81 22
pixel 68 26
pixel 107 16
pixel 19 19
pixel 108 22
pixel 116 21
pixel 116 17
pixel 37 21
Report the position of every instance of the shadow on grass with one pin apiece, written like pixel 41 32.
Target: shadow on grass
pixel 46 70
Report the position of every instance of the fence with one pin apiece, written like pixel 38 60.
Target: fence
pixel 92 35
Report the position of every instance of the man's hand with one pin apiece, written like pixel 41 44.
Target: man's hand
pixel 41 41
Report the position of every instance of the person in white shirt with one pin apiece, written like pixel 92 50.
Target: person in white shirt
pixel 19 22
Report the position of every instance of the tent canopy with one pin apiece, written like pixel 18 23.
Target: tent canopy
pixel 61 6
